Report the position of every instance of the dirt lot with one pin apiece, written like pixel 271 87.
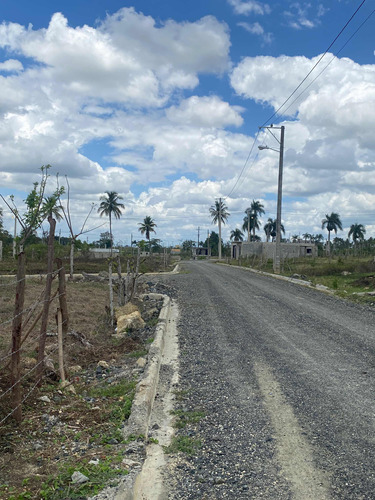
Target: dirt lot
pixel 62 431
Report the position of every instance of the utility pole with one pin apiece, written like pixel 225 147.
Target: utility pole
pixel 198 240
pixel 279 201
pixel 14 237
pixel 219 245
pixel 208 245
pixel 277 255
pixel 248 224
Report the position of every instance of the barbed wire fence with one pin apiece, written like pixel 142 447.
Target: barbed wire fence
pixel 17 374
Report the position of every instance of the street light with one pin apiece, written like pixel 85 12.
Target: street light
pixel 277 255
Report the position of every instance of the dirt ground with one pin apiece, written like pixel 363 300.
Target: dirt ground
pixel 62 431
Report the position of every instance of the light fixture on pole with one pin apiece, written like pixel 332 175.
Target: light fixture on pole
pixel 277 254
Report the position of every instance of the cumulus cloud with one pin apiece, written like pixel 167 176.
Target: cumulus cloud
pixel 205 112
pixel 247 7
pixel 127 55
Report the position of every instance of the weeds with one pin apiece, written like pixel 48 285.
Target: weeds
pixel 183 444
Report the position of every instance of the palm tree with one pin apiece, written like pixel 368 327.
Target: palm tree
pixel 110 206
pixel 331 223
pixel 147 226
pixel 219 213
pixel 50 208
pixel 256 209
pixel 250 223
pixel 307 236
pixel 357 232
pixel 295 238
pixel 270 228
pixel 236 235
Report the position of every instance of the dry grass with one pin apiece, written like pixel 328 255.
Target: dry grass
pixel 24 469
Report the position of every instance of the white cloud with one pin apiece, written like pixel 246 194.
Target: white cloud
pixel 11 65
pixel 205 112
pixel 257 29
pixel 304 15
pixel 247 7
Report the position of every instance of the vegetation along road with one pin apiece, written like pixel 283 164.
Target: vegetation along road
pixel 276 393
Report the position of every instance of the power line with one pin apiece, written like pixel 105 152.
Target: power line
pixel 316 64
pixel 333 58
pixel 300 84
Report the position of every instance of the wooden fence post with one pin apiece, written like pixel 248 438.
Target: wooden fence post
pixel 16 339
pixel 62 296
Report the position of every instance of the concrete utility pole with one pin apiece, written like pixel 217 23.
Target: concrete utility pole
pixel 248 224
pixel 279 201
pixel 277 254
pixel 198 238
pixel 219 245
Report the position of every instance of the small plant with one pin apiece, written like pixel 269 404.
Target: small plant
pixel 186 417
pixel 183 444
pixel 138 354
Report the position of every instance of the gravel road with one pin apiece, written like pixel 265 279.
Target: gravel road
pixel 284 378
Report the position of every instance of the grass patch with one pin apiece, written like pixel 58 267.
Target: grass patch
pixel 186 417
pixel 183 444
pixel 61 486
pixel 138 354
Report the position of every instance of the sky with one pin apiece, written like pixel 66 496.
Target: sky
pixel 161 101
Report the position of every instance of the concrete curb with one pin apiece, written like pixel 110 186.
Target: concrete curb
pixel 308 284
pixel 138 421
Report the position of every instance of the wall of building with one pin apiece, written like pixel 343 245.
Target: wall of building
pixel 267 250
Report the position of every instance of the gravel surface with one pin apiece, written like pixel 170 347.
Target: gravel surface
pixel 283 376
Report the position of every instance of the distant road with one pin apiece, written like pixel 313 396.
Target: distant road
pixel 285 378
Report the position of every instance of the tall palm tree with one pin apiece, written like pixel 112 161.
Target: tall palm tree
pixel 270 228
pixel 255 210
pixel 236 235
pixel 110 206
pixel 250 223
pixel 332 222
pixel 147 227
pixel 219 213
pixel 357 232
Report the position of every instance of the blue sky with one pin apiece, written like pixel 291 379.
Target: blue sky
pixel 161 102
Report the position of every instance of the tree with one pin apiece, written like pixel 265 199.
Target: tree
pixel 73 234
pixel 236 235
pixel 250 223
pixel 147 227
pixel 307 237
pixel 254 211
pixel 213 243
pixel 219 213
pixel 110 206
pixel 270 228
pixel 357 232
pixel 332 222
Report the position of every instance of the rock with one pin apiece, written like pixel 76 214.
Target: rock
pixel 94 461
pixel 132 321
pixel 346 273
pixel 126 309
pixel 45 399
pixel 141 362
pixel 74 369
pixel 128 463
pixel 79 478
pixel 103 364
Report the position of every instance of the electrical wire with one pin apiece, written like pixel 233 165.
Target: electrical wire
pixel 300 84
pixel 316 64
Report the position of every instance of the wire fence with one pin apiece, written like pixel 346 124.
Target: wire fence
pixel 33 314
